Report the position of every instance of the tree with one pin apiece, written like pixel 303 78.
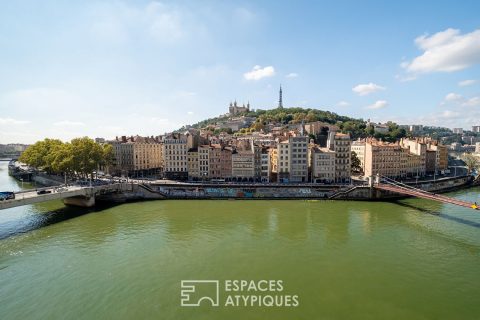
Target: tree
pixel 87 156
pixel 471 162
pixel 355 162
pixel 40 155
pixel 257 126
pixel 370 130
pixel 80 157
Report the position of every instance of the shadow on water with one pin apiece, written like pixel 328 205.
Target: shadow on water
pixel 439 214
pixel 44 219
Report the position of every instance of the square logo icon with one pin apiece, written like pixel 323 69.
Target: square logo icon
pixel 195 292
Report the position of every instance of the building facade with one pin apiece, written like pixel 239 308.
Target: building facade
pixel 322 165
pixel 174 149
pixel 193 164
pixel 298 158
pixel 342 148
pixel 136 156
pixel 359 148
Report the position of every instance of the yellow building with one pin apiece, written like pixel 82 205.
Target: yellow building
pixel 394 160
pixel 136 156
pixel 383 158
pixel 193 166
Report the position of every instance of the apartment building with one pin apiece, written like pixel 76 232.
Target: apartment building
pixel 243 165
pixel 283 161
pixel 396 160
pixel 457 130
pixel 359 148
pixel 441 155
pixel 384 159
pixel 220 162
pixel 342 148
pixel 174 150
pixel 265 164
pixel 322 162
pixel 433 155
pixel 136 156
pixel 204 161
pixel 193 165
pixel 298 158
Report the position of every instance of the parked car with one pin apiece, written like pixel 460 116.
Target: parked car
pixel 7 195
pixel 44 191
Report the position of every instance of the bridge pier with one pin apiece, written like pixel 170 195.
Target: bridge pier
pixel 80 201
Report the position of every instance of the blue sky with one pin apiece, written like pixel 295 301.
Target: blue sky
pixel 107 68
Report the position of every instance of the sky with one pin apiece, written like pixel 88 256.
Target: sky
pixel 112 68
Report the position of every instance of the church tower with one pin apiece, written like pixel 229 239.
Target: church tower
pixel 280 102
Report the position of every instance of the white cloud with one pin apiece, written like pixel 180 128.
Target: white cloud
pixel 343 104
pixel 258 73
pixel 445 51
pixel 458 100
pixel 190 113
pixel 453 97
pixel 11 121
pixel 379 104
pixel 68 123
pixel 365 89
pixel 465 83
pixel 292 75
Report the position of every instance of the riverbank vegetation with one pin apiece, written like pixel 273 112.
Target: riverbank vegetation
pixel 78 158
pixel 471 162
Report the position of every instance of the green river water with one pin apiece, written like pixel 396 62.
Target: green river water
pixel 410 259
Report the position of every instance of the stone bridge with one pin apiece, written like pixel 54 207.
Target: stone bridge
pixel 72 195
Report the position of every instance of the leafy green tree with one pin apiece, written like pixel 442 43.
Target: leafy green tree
pixel 370 130
pixel 79 158
pixel 40 154
pixel 355 162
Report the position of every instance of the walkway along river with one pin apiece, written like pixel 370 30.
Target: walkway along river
pixel 410 259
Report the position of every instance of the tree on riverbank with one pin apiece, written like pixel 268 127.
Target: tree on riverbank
pixel 77 158
pixel 471 162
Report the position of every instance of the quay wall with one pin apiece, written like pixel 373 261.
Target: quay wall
pixel 307 191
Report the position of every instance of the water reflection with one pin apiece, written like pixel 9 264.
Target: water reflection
pixel 42 216
pixel 439 213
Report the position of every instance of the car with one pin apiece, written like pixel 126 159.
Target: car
pixel 7 195
pixel 44 191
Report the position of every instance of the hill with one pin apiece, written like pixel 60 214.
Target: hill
pixel 357 128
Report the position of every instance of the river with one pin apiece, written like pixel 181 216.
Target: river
pixel 410 259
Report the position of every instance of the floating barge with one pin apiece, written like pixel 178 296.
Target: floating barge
pixel 20 172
